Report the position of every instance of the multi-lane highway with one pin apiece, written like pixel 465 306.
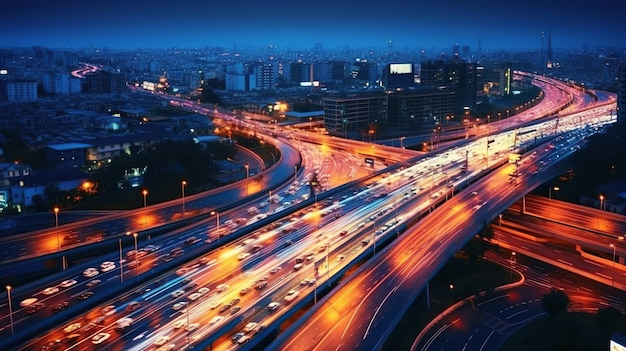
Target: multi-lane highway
pixel 328 237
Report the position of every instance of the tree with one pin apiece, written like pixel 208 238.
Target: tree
pixel 555 303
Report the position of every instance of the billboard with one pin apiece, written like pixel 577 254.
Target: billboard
pixel 400 68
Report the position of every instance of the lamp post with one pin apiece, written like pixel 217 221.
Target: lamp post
pixel 247 176
pixel 121 263
pixel 183 183
pixel 601 202
pixel 145 214
pixel 217 230
pixel 136 251
pixel 56 225
pixel 513 260
pixel 556 188
pixel 10 307
pixel 401 145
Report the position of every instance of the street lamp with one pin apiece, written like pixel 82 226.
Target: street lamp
pixel 145 214
pixel 247 176
pixel 10 307
pixel 217 230
pixel 56 225
pixel 556 188
pixel 183 183
pixel 121 263
pixel 601 201
pixel 136 251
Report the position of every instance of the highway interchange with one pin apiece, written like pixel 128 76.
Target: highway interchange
pixel 327 234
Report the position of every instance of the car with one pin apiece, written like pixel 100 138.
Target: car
pixel 215 304
pixel 236 336
pixel 249 327
pixel 275 270
pixel 90 272
pixel 243 256
pixel 161 340
pixel 222 287
pixel 179 305
pixel 60 306
pixel 474 193
pixel 100 338
pixel 235 309
pixel 194 296
pixel 93 283
pixel 133 306
pixel 52 345
pixel 108 310
pixel 177 293
pixel 85 295
pixel 261 285
pixel 235 301
pixel 244 291
pixel 34 307
pixel 124 322
pixel 216 320
pixel 203 291
pixel 291 295
pixel 242 340
pixel 107 266
pixel 182 271
pixel 225 307
pixel 192 327
pixel 180 323
pixel 50 290
pixel 72 327
pixel 273 306
pixel 168 347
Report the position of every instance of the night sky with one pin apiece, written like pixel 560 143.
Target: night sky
pixel 298 24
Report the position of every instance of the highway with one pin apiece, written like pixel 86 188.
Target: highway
pixel 417 256
pixel 389 201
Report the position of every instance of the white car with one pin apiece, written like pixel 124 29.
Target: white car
pixel 50 290
pixel 203 291
pixel 100 338
pixel 67 283
pixel 222 287
pixel 291 295
pixel 194 296
pixel 215 304
pixel 107 266
pixel 178 293
pixel 273 306
pixel 124 322
pixel 249 327
pixel 90 272
pixel 177 306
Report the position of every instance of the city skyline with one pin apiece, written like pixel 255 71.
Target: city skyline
pixel 289 25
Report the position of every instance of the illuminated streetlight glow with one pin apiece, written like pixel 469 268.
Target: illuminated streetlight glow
pixel 56 225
